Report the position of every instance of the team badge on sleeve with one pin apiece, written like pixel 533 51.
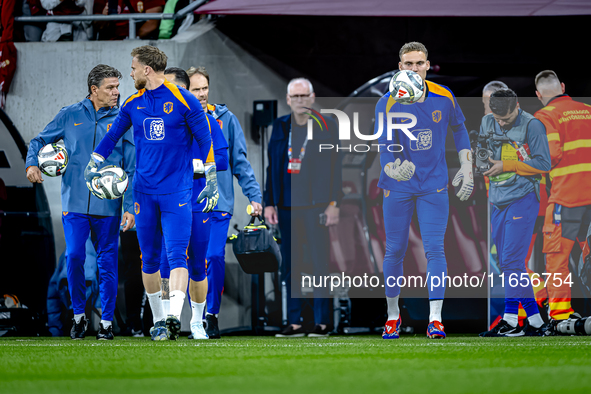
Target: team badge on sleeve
pixel 136 208
pixel 168 107
pixel 154 128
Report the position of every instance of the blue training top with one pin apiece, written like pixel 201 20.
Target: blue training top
pixel 439 110
pixel 220 149
pixel 164 122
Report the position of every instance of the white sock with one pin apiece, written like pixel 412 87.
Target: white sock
pixel 155 300
pixel 435 310
pixel 106 324
pixel 393 310
pixel 536 320
pixel 511 318
pixel 197 309
pixel 78 317
pixel 177 299
pixel 166 307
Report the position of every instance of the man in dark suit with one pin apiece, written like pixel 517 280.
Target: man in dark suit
pixel 302 195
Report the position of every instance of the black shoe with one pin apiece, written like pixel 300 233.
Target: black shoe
pixel 211 327
pixel 318 331
pixel 105 334
pixel 290 332
pixel 173 325
pixel 545 330
pixel 503 329
pixel 78 330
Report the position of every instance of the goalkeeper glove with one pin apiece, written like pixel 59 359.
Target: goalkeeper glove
pixel 91 171
pixel 464 175
pixel 210 191
pixel 400 172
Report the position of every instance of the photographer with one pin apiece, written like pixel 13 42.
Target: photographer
pixel 518 151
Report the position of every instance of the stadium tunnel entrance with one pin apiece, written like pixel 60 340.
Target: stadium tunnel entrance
pixel 27 251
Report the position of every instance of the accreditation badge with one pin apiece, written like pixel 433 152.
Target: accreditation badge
pixel 508 152
pixel 294 166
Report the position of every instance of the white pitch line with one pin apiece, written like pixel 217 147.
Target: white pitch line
pixel 384 345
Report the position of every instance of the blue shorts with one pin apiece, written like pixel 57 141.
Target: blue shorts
pixel 197 249
pixel 432 211
pixel 159 216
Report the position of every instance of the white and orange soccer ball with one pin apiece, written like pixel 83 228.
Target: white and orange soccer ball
pixel 406 87
pixel 53 160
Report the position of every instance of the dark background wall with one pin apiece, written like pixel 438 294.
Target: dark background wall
pixel 339 54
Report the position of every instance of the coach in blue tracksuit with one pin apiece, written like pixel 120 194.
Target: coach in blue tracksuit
pixel 82 126
pixel 239 167
pixel 520 154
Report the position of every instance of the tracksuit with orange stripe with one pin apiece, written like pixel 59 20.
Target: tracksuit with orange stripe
pixel 568 126
pixel 165 120
pixel 201 227
pixel 427 189
pixel 513 198
pixel 80 126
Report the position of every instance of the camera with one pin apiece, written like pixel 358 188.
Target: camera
pixel 482 143
pixel 481 156
pixel 574 325
pixel 481 152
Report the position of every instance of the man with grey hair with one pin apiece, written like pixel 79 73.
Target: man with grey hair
pixel 489 89
pixel 568 127
pixel 81 126
pixel 302 195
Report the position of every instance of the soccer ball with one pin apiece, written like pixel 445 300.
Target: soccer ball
pixel 53 159
pixel 111 183
pixel 406 87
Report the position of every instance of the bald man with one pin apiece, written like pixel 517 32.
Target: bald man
pixel 568 127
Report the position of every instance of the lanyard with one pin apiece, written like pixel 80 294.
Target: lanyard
pixel 302 150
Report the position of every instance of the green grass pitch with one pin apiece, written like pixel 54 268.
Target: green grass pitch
pixel 348 364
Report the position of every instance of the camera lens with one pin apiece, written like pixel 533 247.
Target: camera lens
pixel 482 154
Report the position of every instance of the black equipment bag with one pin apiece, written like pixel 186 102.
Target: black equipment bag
pixel 256 249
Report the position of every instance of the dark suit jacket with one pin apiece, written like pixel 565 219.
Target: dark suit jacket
pixel 322 169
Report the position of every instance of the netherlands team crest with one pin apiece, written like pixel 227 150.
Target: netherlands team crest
pixel 220 123
pixel 424 140
pixel 436 116
pixel 168 107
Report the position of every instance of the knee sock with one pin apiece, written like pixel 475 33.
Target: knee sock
pixel 155 300
pixel 393 309
pixel 197 309
pixel 536 320
pixel 166 307
pixel 511 318
pixel 435 310
pixel 177 299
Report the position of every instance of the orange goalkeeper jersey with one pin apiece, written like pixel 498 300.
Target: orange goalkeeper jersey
pixel 568 126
